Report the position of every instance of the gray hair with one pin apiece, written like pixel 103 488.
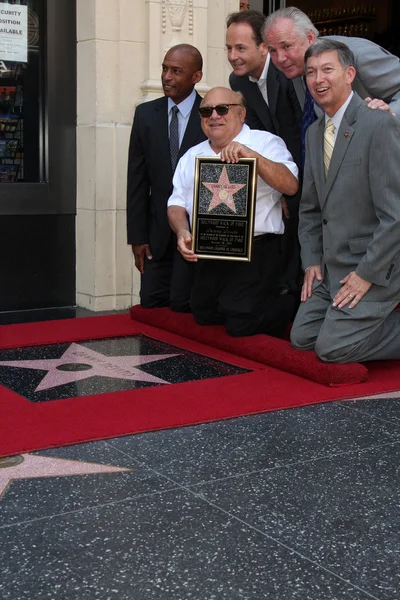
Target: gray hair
pixel 345 55
pixel 300 20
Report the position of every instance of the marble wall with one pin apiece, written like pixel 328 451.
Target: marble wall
pixel 121 44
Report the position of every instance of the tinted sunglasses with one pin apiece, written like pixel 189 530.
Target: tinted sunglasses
pixel 221 109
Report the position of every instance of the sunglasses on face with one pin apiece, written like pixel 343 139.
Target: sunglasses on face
pixel 221 109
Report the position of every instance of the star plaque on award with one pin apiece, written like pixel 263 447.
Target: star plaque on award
pixel 223 208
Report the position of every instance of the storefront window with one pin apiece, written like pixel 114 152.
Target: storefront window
pixel 21 91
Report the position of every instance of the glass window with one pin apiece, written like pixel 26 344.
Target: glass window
pixel 21 91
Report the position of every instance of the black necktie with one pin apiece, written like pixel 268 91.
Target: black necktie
pixel 308 118
pixel 174 137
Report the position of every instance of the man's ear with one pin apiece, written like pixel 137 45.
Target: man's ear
pixel 311 37
pixel 351 74
pixel 263 49
pixel 197 77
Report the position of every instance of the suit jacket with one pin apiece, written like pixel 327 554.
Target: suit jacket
pixel 378 72
pixel 351 221
pixel 283 114
pixel 150 172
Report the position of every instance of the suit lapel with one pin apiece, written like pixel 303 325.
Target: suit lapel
pixel 316 134
pixel 261 107
pixel 193 128
pixel 160 128
pixel 272 87
pixel 343 139
pixel 300 91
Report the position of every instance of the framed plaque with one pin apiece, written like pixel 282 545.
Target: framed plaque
pixel 224 208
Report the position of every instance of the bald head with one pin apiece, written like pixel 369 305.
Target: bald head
pixel 224 96
pixel 190 52
pixel 181 70
pixel 221 129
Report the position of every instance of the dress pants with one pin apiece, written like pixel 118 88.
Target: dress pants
pixel 369 331
pixel 167 281
pixel 243 296
pixel 292 263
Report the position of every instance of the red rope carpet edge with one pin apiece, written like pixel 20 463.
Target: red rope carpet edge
pixel 27 426
pixel 262 348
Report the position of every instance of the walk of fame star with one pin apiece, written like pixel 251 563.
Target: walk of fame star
pixel 29 467
pixel 79 362
pixel 223 191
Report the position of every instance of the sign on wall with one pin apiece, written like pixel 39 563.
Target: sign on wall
pixel 13 32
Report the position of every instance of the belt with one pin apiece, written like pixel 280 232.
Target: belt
pixel 266 237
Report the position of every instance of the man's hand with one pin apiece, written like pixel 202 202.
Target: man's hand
pixel 311 273
pixel 184 239
pixel 353 289
pixel 276 175
pixel 381 104
pixel 233 151
pixel 140 251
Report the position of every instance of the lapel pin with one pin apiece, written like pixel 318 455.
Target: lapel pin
pixel 346 134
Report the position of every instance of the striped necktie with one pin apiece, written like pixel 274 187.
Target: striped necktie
pixel 174 137
pixel 329 143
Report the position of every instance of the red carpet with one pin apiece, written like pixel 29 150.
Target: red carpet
pixel 27 426
pixel 262 348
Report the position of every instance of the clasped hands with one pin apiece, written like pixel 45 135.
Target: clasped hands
pixel 353 287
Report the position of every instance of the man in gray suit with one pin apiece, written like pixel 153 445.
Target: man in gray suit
pixel 349 225
pixel 288 32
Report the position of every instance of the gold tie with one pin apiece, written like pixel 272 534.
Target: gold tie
pixel 329 142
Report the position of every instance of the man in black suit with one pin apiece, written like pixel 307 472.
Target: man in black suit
pixel 163 130
pixel 271 100
pixel 272 106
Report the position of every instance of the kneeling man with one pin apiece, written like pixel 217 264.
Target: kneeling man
pixel 243 296
pixel 349 225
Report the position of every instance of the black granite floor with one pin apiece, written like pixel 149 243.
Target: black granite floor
pixel 302 504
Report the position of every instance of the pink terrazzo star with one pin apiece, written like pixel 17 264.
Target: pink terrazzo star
pixel 94 363
pixel 43 466
pixel 223 191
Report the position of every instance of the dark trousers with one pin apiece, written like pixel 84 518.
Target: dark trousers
pixel 167 281
pixel 291 274
pixel 243 296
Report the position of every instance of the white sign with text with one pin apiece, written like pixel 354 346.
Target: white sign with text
pixel 13 32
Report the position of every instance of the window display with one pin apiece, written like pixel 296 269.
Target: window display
pixel 21 91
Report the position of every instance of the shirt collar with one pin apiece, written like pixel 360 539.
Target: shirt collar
pixel 338 116
pixel 185 106
pixel 263 75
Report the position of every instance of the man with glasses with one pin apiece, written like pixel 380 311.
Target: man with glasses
pixel 243 296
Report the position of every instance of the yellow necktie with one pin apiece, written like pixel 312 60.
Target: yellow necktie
pixel 329 143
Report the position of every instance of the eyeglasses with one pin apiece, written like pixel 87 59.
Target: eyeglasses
pixel 221 109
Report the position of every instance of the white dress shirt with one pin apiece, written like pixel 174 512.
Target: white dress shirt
pixel 262 81
pixel 268 218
